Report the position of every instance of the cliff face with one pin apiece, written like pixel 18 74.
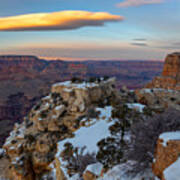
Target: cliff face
pixel 170 77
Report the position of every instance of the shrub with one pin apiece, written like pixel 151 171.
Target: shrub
pixel 106 78
pixel 55 95
pixel 92 79
pixel 44 114
pixel 76 159
pixel 30 138
pixel 92 113
pixel 110 151
pixel 145 135
pixel 37 106
pixel 76 80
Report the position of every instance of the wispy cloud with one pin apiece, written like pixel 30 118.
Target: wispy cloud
pixel 140 39
pixel 129 3
pixel 171 46
pixel 63 20
pixel 140 44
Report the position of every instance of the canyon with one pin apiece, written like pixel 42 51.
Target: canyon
pixel 25 79
pixel 89 129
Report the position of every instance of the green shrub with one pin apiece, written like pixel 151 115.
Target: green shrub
pixel 44 114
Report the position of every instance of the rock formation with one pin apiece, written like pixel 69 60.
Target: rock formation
pixel 167 153
pixel 32 146
pixel 170 77
pixel 163 91
pixel 159 99
pixel 34 77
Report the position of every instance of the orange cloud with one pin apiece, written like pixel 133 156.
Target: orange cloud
pixel 63 20
pixel 128 3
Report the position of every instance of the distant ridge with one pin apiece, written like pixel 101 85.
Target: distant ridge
pixel 18 57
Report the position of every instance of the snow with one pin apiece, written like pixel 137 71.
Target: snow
pixel 93 133
pixel 69 84
pixel 40 119
pixel 122 172
pixel 96 168
pixel 46 105
pixel 57 108
pixel 147 90
pixel 67 90
pixel 46 97
pixel 173 172
pixel 75 177
pixel 137 106
pixel 89 136
pixel 169 136
pixel 18 132
pixel 2 152
pixel 52 174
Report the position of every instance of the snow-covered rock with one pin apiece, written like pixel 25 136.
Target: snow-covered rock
pixel 167 155
pixel 136 106
pixel 169 136
pixel 69 114
pixel 95 168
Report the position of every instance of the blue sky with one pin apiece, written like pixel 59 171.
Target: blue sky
pixel 148 31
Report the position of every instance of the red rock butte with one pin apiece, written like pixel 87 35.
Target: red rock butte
pixel 170 77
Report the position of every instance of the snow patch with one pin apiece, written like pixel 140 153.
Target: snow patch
pixel 169 136
pixel 137 106
pixel 96 168
pixel 147 90
pixel 57 108
pixel 123 172
pixel 75 177
pixel 172 172
pixel 18 132
pixel 69 84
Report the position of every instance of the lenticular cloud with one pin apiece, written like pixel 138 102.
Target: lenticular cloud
pixel 63 20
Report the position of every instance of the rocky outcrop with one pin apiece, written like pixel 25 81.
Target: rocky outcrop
pixel 170 77
pixel 167 152
pixel 34 76
pixel 159 99
pixel 32 145
pixel 163 91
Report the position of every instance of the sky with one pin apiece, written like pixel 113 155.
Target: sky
pixel 93 30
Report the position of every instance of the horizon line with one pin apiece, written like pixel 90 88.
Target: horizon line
pixel 47 58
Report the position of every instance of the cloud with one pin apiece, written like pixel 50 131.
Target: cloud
pixel 139 44
pixel 128 3
pixel 173 46
pixel 63 20
pixel 140 39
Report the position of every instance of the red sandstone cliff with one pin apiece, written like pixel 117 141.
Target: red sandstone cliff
pixel 170 77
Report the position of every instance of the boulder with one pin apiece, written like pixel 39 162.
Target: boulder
pixel 93 171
